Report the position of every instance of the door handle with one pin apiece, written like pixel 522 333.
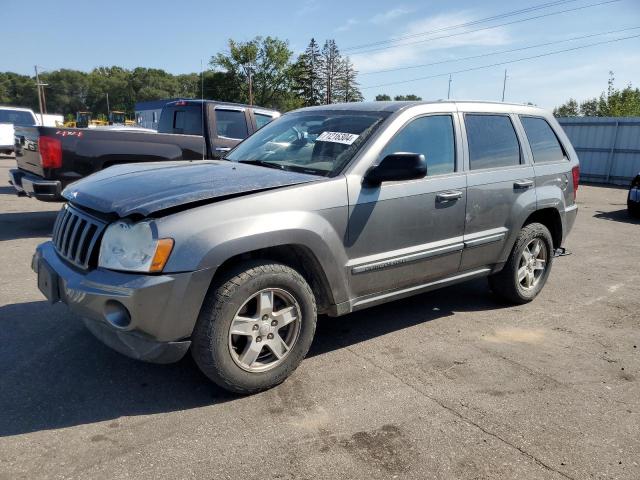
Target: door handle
pixel 223 149
pixel 523 184
pixel 449 196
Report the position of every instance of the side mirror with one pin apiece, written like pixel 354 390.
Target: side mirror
pixel 397 166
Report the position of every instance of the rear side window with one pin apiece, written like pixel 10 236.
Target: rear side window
pixel 185 120
pixel 431 136
pixel 262 119
pixel 543 141
pixel 231 124
pixel 492 141
pixel 19 118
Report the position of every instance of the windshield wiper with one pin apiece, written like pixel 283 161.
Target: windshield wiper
pixel 262 163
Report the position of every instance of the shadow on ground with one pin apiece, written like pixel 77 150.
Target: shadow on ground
pixel 26 224
pixel 617 216
pixel 56 374
pixel 7 190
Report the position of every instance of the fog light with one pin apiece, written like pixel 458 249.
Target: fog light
pixel 116 314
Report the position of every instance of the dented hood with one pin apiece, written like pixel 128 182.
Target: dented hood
pixel 145 188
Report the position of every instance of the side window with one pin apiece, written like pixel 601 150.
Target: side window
pixel 262 119
pixel 431 136
pixel 183 120
pixel 543 141
pixel 231 124
pixel 492 141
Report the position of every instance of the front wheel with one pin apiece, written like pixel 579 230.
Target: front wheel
pixel 528 266
pixel 255 327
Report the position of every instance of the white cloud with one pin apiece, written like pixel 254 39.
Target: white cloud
pixel 346 26
pixel 422 52
pixel 308 6
pixel 389 15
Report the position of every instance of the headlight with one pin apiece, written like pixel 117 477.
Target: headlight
pixel 133 247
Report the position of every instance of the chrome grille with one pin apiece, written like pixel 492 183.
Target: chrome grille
pixel 75 236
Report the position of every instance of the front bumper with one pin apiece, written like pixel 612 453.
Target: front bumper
pixel 36 187
pixel 146 317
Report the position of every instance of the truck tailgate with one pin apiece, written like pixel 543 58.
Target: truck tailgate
pixel 27 156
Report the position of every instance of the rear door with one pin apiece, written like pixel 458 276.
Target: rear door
pixel 500 187
pixel 407 233
pixel 550 162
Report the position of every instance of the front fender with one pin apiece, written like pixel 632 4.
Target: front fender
pixel 207 236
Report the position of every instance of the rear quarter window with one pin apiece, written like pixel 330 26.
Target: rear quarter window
pixel 185 120
pixel 492 141
pixel 543 140
pixel 262 119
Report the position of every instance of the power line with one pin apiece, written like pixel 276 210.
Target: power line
pixel 486 28
pixel 501 63
pixel 461 25
pixel 500 52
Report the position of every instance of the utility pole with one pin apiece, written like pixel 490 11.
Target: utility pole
pixel 39 94
pixel 108 109
pixel 449 91
pixel 504 84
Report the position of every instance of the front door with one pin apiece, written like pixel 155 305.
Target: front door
pixel 408 233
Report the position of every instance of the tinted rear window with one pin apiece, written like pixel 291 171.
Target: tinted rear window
pixel 544 143
pixel 262 120
pixel 492 141
pixel 186 120
pixel 231 124
pixel 17 117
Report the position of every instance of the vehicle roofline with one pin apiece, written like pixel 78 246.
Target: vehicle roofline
pixel 219 102
pixel 396 106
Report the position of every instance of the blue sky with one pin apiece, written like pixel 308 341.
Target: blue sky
pixel 176 36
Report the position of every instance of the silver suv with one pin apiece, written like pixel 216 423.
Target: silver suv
pixel 327 210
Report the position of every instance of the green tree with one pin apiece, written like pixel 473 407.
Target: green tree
pixel 306 73
pixel 347 86
pixel 331 70
pixel 568 109
pixel 263 65
pixel 410 97
pixel 66 92
pixel 612 103
pixel 382 97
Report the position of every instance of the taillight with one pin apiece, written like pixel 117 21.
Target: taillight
pixel 575 171
pixel 50 152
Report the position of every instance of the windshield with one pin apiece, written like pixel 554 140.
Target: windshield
pixel 17 117
pixel 316 142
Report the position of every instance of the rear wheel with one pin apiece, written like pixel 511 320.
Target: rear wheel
pixel 255 327
pixel 633 208
pixel 528 266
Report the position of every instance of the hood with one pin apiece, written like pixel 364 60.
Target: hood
pixel 145 188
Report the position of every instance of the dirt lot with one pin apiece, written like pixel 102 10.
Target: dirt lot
pixel 450 384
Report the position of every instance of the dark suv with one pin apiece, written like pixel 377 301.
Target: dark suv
pixel 327 210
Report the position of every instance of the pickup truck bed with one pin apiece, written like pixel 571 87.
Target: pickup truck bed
pixel 48 159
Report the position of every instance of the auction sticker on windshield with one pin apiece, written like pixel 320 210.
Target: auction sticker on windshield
pixel 337 137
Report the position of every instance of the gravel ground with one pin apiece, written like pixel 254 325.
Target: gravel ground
pixel 447 385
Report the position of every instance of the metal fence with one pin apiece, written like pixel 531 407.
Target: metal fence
pixel 608 147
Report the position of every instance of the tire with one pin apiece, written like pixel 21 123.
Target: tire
pixel 235 300
pixel 507 284
pixel 633 208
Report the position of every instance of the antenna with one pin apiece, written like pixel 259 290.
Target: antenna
pixel 204 138
pixel 504 83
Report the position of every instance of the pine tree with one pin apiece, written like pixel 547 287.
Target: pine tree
pixel 347 85
pixel 331 63
pixel 307 75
